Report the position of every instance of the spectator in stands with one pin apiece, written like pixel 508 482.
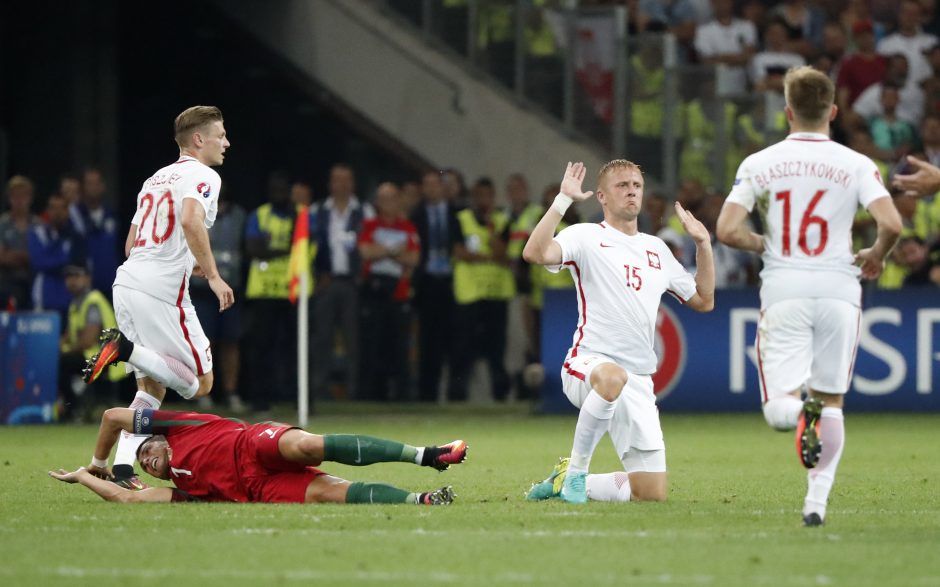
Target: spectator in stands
pixel 438 231
pixel 910 40
pixel 893 136
pixel 647 76
pixel 89 313
pixel 410 197
pixel 860 69
pixel 910 97
pixel 455 188
pixel 301 194
pixel 855 16
pixel 833 49
pixel 709 128
pixel 483 286
pixel 804 23
pixel 496 36
pixel 675 16
pixel 734 268
pixel 71 189
pixel 224 329
pixel 53 245
pixel 390 250
pixel 336 299
pixel 768 65
pixel 523 216
pixel 15 227
pixel 655 212
pixel 269 233
pixel 921 261
pixel 930 137
pixel 96 222
pixel 728 43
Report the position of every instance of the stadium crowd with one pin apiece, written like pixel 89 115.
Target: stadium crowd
pixel 421 275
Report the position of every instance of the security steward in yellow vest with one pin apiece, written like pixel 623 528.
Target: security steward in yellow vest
pixel 269 233
pixel 483 286
pixel 89 313
pixel 523 216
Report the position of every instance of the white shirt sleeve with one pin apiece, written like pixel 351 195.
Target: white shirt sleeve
pixel 569 241
pixel 138 214
pixel 870 183
pixel 743 191
pixel 204 187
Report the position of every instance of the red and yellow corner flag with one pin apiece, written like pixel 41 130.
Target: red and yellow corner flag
pixel 299 253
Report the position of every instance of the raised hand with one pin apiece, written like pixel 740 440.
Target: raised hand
pixel 924 181
pixel 571 183
pixel 693 226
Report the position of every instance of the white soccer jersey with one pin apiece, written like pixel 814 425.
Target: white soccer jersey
pixel 620 280
pixel 807 190
pixel 160 262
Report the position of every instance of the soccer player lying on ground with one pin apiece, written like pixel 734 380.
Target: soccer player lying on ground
pixel 210 458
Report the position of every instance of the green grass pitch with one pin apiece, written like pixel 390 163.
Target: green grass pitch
pixel 733 515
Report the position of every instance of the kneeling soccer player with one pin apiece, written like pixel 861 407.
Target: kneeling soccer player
pixel 211 458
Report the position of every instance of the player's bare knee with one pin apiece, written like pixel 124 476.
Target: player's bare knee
pixel 311 447
pixel 608 381
pixel 648 486
pixel 205 384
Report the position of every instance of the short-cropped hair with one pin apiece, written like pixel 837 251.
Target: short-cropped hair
pixel 809 94
pixel 191 119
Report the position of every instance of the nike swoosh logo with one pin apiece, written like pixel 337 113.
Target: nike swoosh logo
pixel 359 460
pixel 603 246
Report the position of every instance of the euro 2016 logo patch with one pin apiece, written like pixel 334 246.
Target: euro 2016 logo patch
pixel 653 259
pixel 204 189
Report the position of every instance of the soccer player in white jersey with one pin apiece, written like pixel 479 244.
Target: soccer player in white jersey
pixel 620 274
pixel 158 332
pixel 807 190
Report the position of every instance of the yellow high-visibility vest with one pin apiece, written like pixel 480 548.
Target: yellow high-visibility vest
pixel 489 280
pixel 77 312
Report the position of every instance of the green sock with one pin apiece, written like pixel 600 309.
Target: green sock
pixel 378 493
pixel 358 450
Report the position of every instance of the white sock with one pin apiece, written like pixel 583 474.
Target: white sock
pixel 609 486
pixel 165 370
pixel 419 455
pixel 782 413
pixel 126 452
pixel 593 421
pixel 820 478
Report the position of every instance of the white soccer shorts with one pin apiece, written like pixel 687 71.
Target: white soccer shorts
pixel 170 330
pixel 635 425
pixel 807 340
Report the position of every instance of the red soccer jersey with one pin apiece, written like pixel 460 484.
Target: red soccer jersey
pixel 395 234
pixel 203 463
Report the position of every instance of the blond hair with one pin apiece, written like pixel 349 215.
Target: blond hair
pixel 809 93
pixel 615 164
pixel 192 119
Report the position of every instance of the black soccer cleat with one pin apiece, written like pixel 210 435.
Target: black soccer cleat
pixel 114 347
pixel 812 520
pixel 442 457
pixel 808 444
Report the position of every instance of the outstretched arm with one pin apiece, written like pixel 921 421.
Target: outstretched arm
pixel 704 298
pixel 924 181
pixel 732 229
pixel 541 247
pixel 111 492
